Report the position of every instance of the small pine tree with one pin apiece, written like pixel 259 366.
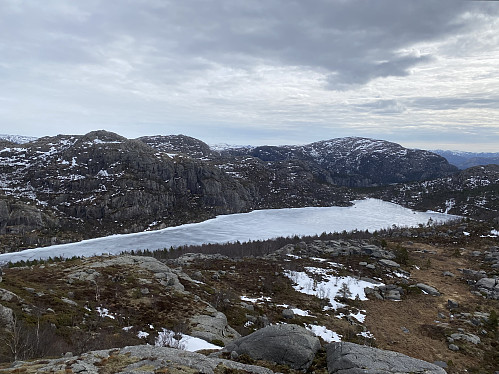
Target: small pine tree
pixel 344 291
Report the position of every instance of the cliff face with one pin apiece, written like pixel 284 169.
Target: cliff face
pixel 103 183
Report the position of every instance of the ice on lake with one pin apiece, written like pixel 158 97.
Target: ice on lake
pixel 369 214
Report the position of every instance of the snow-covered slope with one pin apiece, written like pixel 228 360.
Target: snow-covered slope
pixel 18 139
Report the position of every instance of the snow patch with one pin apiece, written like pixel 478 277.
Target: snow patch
pixel 326 334
pixel 168 338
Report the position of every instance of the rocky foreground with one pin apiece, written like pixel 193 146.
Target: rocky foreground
pixel 288 345
pixel 316 305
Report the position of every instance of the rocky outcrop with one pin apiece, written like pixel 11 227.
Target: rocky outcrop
pixel 290 345
pixel 142 359
pixel 180 145
pixel 334 248
pixel 211 326
pixel 6 295
pixel 488 287
pixel 385 292
pixel 350 358
pixel 162 273
pixel 6 317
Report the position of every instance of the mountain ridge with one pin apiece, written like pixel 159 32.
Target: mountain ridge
pixel 72 187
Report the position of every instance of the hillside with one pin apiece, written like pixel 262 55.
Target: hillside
pixel 473 192
pixel 427 292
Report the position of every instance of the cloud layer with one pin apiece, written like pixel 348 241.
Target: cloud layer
pixel 256 72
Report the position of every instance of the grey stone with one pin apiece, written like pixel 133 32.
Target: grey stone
pixel 197 275
pixel 350 358
pixel 453 347
pixel 6 316
pixel 428 289
pixel 264 320
pixel 389 263
pixel 68 301
pixel 451 304
pixel 6 295
pixel 487 283
pixel 251 318
pixel 249 307
pixel 392 295
pixel 188 258
pixel 448 274
pixel 442 364
pixel 285 344
pixel 472 338
pixel 288 314
pixel 84 275
pixel 212 325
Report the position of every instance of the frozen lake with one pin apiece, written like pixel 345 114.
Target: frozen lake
pixel 370 214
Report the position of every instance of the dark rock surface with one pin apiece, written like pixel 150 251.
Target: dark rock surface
pixel 350 358
pixel 290 345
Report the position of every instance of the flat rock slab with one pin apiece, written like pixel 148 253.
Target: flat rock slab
pixel 290 345
pixel 428 289
pixel 350 358
pixel 389 263
pixel 135 359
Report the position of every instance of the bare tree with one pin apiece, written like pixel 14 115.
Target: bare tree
pixel 15 339
pixel 169 338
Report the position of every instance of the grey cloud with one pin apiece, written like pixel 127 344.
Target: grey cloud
pixel 383 107
pixel 360 72
pixel 452 103
pixel 353 41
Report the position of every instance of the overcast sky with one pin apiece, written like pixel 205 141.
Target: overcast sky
pixel 424 74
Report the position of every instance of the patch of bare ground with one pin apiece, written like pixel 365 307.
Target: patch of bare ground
pixel 419 324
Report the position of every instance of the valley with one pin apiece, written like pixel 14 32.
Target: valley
pixel 383 250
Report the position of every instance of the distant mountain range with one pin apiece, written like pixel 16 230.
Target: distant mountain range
pixel 70 187
pixel 464 160
pixel 18 139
